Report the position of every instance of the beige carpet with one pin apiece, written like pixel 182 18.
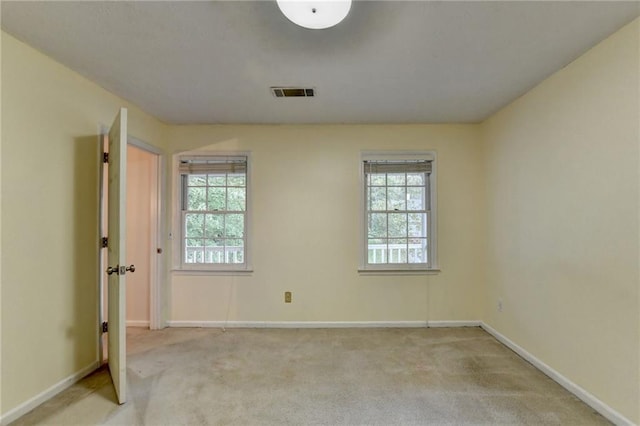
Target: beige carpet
pixel 249 377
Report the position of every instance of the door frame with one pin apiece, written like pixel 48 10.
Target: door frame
pixel 158 262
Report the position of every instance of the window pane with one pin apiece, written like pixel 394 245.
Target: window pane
pixel 192 250
pixel 417 225
pixel 378 198
pixel 377 225
pixel 378 179
pixel 194 225
pixel 234 251
pixel 397 225
pixel 397 198
pixel 196 198
pixel 235 243
pixel 417 250
pixel 234 226
pixel 195 255
pixel 396 179
pixel 398 251
pixel 197 180
pixel 415 198
pixel 237 180
pixel 415 178
pixel 377 251
pixel 217 180
pixel 214 226
pixel 193 242
pixel 236 199
pixel 214 250
pixel 217 198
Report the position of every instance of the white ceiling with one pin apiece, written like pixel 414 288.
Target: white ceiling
pixel 388 62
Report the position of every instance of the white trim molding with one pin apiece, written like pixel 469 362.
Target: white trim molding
pixel 47 394
pixel 298 324
pixel 322 324
pixel 586 397
pixel 439 324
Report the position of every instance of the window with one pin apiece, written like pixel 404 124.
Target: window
pixel 213 204
pixel 399 214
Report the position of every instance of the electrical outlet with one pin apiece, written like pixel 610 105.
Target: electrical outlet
pixel 499 305
pixel 287 297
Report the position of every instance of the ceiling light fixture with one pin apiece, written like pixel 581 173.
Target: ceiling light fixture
pixel 315 14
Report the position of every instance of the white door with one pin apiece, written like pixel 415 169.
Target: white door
pixel 117 267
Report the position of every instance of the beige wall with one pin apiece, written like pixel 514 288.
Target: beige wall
pixel 141 179
pixel 305 218
pixel 562 194
pixel 51 119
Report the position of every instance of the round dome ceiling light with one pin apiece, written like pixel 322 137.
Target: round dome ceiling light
pixel 315 14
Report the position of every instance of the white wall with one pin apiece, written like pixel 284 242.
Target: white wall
pixel 305 219
pixel 562 168
pixel 51 119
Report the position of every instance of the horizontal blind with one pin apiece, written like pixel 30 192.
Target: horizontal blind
pixel 213 165
pixel 395 166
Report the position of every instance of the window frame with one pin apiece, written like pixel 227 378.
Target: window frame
pixel 178 234
pixel 432 265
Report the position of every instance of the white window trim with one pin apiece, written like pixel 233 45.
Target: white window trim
pixel 176 235
pixel 397 269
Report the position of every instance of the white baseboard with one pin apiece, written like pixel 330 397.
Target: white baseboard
pixel 437 324
pixel 134 323
pixel 602 408
pixel 32 403
pixel 322 324
pixel 298 324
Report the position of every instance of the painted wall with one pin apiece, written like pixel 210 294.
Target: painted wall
pixel 305 191
pixel 141 177
pixel 51 119
pixel 562 206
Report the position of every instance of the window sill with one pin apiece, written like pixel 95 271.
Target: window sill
pixel 434 271
pixel 222 272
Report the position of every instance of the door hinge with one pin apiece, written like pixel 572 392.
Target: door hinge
pixel 105 157
pixel 104 242
pixel 105 327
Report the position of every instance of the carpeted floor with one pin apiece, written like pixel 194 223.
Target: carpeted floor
pixel 438 376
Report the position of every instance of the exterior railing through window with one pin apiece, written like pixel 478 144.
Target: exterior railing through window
pixel 214 254
pixel 397 253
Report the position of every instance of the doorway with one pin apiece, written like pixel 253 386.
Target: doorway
pixel 141 244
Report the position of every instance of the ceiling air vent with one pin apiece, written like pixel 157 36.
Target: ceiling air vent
pixel 293 92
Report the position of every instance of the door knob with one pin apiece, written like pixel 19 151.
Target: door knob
pixel 113 270
pixel 131 268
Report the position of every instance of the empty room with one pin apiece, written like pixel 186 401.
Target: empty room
pixel 287 212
